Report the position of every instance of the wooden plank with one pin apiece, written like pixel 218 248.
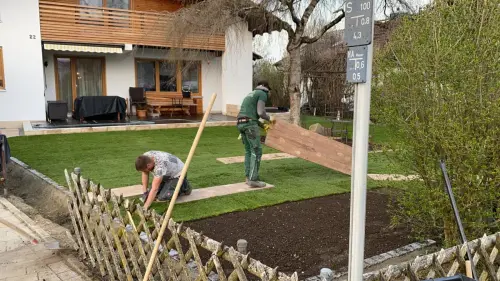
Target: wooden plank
pixel 199 105
pixel 310 146
pixel 232 110
pixel 197 194
pixel 265 157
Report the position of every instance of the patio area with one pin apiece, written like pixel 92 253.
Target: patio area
pixel 132 123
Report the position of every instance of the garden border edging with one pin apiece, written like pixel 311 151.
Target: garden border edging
pixel 39 191
pixel 378 259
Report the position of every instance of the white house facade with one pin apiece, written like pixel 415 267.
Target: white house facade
pixel 58 50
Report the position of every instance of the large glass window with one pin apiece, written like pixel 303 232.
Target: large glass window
pixel 168 76
pixel 79 77
pixel 118 4
pixel 146 75
pixel 114 4
pixel 93 3
pixel 190 76
pixel 65 83
pixel 89 76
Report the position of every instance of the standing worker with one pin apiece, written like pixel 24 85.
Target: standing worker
pixel 253 107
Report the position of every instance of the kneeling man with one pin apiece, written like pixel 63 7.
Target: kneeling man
pixel 166 170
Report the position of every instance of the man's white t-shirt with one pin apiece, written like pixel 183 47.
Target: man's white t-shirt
pixel 166 164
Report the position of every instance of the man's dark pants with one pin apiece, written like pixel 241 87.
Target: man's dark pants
pixel 168 185
pixel 250 135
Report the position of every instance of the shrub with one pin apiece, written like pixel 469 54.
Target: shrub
pixel 437 83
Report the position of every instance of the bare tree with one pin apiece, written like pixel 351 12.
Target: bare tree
pixel 297 37
pixel 305 22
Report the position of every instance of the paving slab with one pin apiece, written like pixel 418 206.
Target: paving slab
pixel 265 157
pixel 21 260
pixel 392 177
pixel 10 132
pixel 196 194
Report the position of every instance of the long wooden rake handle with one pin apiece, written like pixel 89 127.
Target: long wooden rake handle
pixel 177 188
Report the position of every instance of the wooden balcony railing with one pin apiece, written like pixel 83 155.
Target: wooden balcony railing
pixel 84 24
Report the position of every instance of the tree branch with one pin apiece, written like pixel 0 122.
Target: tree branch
pixel 308 12
pixel 248 13
pixel 289 4
pixel 309 40
pixel 406 5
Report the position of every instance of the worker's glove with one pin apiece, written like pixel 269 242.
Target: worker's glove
pixel 144 197
pixel 266 127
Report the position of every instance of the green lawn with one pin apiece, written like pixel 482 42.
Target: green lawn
pixel 379 134
pixel 109 157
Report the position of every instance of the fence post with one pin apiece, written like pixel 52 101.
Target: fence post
pixel 242 245
pixel 326 274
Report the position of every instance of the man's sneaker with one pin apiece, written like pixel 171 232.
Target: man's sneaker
pixel 256 184
pixel 188 190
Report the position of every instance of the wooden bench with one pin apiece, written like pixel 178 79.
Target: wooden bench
pixel 172 102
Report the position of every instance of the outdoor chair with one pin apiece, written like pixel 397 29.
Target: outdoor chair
pixel 186 94
pixel 137 96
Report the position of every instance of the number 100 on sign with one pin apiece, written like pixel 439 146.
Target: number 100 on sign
pixel 358 22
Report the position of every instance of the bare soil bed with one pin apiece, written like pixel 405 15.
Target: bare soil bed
pixel 308 235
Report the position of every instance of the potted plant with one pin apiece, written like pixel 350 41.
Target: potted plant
pixel 141 111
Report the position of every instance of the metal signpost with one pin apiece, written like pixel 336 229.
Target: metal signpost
pixel 359 36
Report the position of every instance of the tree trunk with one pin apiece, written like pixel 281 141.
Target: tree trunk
pixel 294 74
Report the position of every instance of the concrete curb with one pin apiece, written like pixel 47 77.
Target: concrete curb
pixel 41 176
pixel 375 260
pixel 39 191
pixel 30 131
pixel 398 252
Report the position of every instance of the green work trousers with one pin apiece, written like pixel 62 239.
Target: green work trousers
pixel 250 135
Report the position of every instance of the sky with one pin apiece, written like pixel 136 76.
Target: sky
pixel 272 46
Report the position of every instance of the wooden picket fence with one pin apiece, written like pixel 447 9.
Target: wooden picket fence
pixel 117 238
pixel 447 262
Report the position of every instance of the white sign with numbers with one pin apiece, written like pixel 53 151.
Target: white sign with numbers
pixel 358 22
pixel 357 64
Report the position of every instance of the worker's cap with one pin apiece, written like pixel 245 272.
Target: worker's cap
pixel 264 83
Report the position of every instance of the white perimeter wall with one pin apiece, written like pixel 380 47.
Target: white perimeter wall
pixel 237 65
pixel 23 98
pixel 120 73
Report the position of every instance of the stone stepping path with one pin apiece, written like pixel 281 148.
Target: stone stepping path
pixel 389 177
pixel 265 157
pixel 23 260
pixel 271 156
pixel 196 194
